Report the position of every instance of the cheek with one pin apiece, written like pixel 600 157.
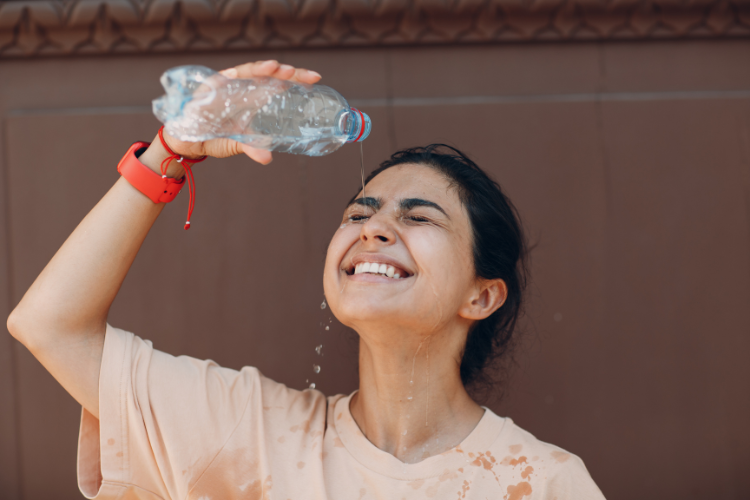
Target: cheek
pixel 447 265
pixel 341 242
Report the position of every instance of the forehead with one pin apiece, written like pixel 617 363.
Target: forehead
pixel 414 181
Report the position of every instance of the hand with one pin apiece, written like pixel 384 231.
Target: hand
pixel 222 148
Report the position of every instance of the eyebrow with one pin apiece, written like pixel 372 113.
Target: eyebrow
pixel 410 203
pixel 405 204
pixel 375 203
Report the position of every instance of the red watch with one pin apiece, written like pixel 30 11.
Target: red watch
pixel 159 188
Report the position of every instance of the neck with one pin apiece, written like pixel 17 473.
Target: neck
pixel 411 402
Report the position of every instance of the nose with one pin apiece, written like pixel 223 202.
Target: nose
pixel 377 230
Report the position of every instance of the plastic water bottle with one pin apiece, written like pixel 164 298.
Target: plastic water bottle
pixel 263 112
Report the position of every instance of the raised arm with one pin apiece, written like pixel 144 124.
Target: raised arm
pixel 62 317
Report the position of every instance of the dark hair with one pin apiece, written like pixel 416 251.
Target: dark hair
pixel 499 251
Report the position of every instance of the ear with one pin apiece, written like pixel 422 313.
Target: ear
pixel 486 298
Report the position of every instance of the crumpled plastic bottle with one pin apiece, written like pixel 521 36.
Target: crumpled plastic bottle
pixel 264 112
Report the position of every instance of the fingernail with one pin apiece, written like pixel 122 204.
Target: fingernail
pixel 314 73
pixel 286 67
pixel 231 72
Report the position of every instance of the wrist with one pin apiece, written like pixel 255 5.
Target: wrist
pixel 155 154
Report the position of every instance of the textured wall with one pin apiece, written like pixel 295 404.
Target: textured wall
pixel 60 27
pixel 629 162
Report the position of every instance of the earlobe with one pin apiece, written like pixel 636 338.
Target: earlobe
pixel 489 297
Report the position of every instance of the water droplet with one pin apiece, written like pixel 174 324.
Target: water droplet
pixel 319 350
pixel 410 398
pixel 411 382
pixel 404 433
pixel 323 305
pixel 312 386
pixel 316 368
pixel 328 327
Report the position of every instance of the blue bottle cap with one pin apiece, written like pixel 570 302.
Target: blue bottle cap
pixel 360 127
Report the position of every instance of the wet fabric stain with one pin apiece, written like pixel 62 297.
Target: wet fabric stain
pixel 337 443
pixel 416 484
pixel 560 456
pixel 518 491
pixel 487 462
pixel 431 491
pixel 447 474
pixel 304 426
pixel 483 460
pixel 515 449
pixel 527 472
pixel 110 441
pixel 514 461
pixel 281 439
pixel 300 465
pixel 465 487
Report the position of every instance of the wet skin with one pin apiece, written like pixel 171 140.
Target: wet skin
pixel 412 329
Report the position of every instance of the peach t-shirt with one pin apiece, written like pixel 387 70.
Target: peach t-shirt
pixel 183 428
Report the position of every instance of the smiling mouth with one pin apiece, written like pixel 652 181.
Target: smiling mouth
pixel 378 270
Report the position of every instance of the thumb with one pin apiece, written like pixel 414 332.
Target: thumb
pixel 260 155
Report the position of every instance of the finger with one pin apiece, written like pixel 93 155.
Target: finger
pixel 229 72
pixel 284 72
pixel 305 76
pixel 260 155
pixel 258 68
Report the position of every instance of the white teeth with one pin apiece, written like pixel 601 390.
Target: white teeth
pixel 375 268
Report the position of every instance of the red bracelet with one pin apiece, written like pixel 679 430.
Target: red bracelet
pixel 159 189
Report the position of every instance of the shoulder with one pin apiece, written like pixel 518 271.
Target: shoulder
pixel 558 473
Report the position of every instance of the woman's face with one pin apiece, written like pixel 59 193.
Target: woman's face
pixel 413 226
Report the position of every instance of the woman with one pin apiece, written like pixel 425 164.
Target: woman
pixel 427 268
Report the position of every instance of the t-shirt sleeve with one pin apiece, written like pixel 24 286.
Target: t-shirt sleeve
pixel 162 420
pixel 569 480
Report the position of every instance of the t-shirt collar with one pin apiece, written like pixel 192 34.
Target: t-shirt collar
pixel 480 439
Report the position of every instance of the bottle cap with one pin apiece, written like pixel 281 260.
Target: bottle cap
pixel 361 126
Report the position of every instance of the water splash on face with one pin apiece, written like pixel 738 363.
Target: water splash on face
pixel 362 163
pixel 439 305
pixel 427 405
pixel 414 361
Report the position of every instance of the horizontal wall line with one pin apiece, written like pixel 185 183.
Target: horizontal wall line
pixel 443 101
pixel 105 110
pixel 541 98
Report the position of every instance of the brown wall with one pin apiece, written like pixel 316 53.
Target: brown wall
pixel 629 162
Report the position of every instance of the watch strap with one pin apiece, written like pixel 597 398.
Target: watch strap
pixel 158 188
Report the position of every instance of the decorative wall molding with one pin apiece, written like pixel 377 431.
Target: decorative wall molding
pixel 61 27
